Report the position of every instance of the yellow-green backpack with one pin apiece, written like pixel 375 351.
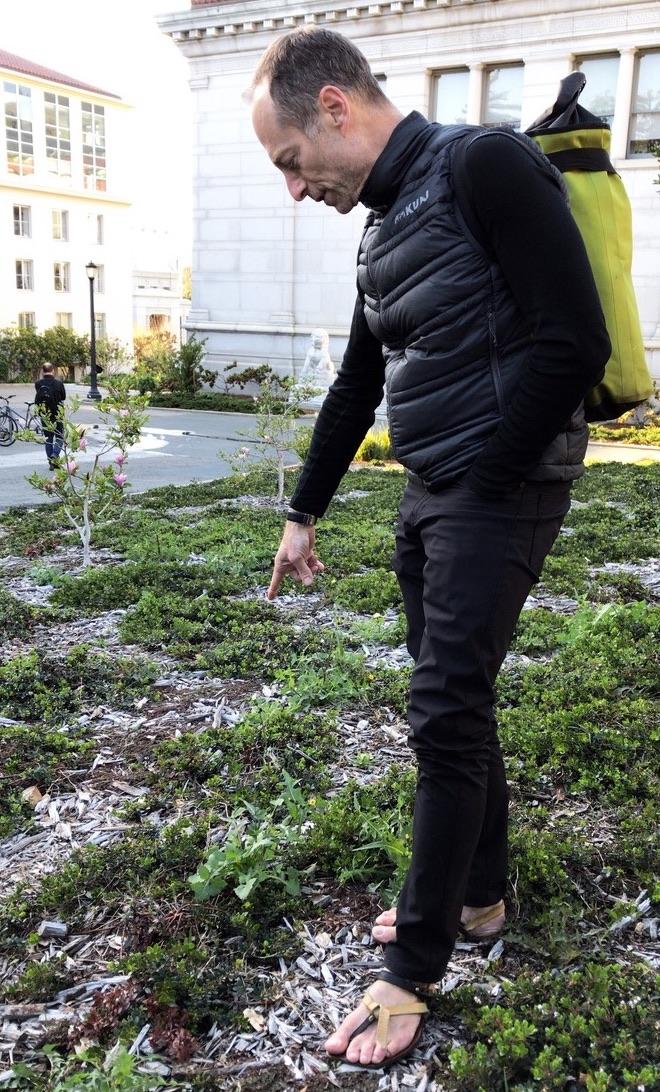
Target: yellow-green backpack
pixel 577 143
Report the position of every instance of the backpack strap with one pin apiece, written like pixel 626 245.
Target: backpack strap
pixel 462 182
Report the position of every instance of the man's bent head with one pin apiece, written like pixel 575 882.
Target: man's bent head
pixel 321 115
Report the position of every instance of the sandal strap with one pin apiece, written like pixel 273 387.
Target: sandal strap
pixel 488 915
pixel 385 1012
pixel 421 990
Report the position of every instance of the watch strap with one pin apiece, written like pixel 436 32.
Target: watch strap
pixel 306 518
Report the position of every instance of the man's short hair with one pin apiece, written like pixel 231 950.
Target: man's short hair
pixel 299 64
pixel 47 368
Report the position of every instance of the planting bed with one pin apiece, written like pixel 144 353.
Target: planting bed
pixel 206 800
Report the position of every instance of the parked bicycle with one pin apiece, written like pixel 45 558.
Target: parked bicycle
pixel 11 422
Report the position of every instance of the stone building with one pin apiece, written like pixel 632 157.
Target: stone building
pixel 64 185
pixel 267 270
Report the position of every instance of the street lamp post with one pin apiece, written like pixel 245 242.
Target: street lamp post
pixel 94 392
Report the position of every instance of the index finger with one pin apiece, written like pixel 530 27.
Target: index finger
pixel 276 580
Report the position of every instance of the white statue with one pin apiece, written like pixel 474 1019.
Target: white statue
pixel 318 367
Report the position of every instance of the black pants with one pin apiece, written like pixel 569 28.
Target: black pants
pixel 465 566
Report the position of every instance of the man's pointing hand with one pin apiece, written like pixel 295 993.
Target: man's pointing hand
pixel 295 557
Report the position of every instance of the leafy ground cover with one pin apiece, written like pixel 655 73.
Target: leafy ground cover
pixel 212 795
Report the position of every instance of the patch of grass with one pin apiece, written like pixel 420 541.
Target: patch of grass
pixel 46 687
pixel 247 759
pixel 16 618
pixel 367 593
pixel 363 833
pixel 340 679
pixel 538 631
pixel 118 586
pixel 569 721
pixel 596 1024
pixel 32 756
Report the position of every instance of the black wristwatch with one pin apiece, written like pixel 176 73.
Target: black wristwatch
pixel 305 518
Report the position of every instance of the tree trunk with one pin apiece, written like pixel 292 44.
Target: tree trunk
pixel 86 535
pixel 280 475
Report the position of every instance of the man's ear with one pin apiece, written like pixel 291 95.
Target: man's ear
pixel 334 103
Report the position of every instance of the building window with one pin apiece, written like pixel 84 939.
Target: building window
pixel 24 273
pixel 99 229
pixel 158 322
pixel 62 276
pixel 100 325
pixel 93 133
pixel 600 90
pixel 645 114
pixel 18 129
pixel 26 320
pixel 23 221
pixel 58 134
pixel 100 279
pixel 61 225
pixel 65 319
pixel 502 103
pixel 449 96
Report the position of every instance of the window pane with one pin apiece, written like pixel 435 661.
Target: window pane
pixel 503 95
pixel 645 119
pixel 451 95
pixel 600 91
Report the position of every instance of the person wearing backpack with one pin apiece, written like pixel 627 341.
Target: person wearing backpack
pixel 51 393
pixel 486 347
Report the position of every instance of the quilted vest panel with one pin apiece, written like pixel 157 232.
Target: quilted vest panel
pixel 453 338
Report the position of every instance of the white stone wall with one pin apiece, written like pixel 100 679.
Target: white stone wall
pixel 266 270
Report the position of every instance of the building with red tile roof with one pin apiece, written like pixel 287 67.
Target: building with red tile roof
pixel 15 63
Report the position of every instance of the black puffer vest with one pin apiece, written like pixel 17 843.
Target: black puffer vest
pixel 453 338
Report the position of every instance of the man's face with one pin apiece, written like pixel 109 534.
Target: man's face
pixel 321 165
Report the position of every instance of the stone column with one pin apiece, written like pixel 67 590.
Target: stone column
pixel 623 102
pixel 475 93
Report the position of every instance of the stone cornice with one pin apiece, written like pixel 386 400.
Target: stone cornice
pixel 231 19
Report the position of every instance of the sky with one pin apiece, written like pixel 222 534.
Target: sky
pixel 117 45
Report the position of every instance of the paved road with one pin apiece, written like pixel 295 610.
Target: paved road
pixel 177 447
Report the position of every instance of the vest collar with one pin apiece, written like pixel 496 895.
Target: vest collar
pixel 388 172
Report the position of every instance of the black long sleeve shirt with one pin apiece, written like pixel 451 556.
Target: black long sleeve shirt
pixel 526 225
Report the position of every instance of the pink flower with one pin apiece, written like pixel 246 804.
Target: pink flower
pixel 120 459
pixel 83 443
pixel 71 466
pixel 121 479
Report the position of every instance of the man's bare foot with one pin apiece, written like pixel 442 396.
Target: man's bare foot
pixel 364 1050
pixel 384 931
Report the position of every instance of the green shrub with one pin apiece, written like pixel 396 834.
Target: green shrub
pixel 44 686
pixel 367 593
pixel 204 400
pixel 16 618
pixel 595 1024
pixel 376 446
pixel 247 759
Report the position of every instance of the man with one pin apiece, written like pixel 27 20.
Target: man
pixel 477 308
pixel 50 395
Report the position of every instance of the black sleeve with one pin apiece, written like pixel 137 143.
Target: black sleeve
pixel 531 234
pixel 347 414
pixel 40 396
pixel 62 391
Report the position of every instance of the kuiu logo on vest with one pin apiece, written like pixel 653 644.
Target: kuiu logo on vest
pixel 412 206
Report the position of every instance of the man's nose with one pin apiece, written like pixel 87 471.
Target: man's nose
pixel 296 187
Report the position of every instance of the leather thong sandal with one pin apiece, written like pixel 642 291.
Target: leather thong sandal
pixel 471 931
pixel 383 1014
